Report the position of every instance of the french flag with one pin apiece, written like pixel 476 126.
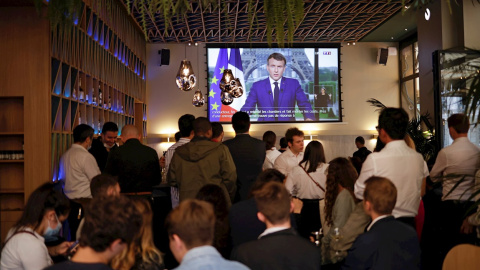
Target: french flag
pixel 235 64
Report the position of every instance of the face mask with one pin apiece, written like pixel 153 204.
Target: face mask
pixel 108 146
pixel 52 234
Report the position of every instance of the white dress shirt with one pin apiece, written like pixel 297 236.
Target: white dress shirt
pixel 273 85
pixel 270 158
pixel 300 185
pixel 375 221
pixel 404 167
pixel 460 158
pixel 272 230
pixel 286 161
pixel 78 167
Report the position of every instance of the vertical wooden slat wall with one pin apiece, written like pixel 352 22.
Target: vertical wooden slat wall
pixel 42 72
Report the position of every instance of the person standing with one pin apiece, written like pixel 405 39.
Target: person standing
pixel 294 153
pixel 248 154
pixel 397 162
pixel 185 125
pixel 102 145
pixel 361 154
pixel 77 168
pixel 455 168
pixel 269 137
pixel 387 243
pixel 307 181
pixel 136 165
pixel 279 246
pixel 202 162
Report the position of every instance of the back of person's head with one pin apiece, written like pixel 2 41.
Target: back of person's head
pixel 193 221
pixel 394 121
pixel 142 245
pixel 109 126
pixel 215 195
pixel 241 122
pixel 43 199
pixel 201 126
pixel 459 122
pixel 102 185
pixel 278 57
pixel 314 155
pixel 130 132
pixel 273 201
pixel 268 175
pixel 82 132
pixel 340 172
pixel 269 137
pixel 185 124
pixel 178 136
pixel 283 142
pixel 379 146
pixel 292 132
pixel 217 129
pixel 360 140
pixel 108 219
pixel 381 193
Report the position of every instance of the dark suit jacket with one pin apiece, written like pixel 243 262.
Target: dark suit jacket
pixel 136 165
pixel 390 244
pixel 280 250
pixel 260 94
pixel 248 155
pixel 100 152
pixel 244 224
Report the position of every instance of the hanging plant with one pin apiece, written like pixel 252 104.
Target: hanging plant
pixel 60 13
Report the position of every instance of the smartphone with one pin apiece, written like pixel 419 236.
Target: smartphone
pixel 73 246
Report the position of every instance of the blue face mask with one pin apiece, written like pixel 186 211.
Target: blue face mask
pixel 52 234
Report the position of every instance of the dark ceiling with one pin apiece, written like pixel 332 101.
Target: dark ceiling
pixel 324 21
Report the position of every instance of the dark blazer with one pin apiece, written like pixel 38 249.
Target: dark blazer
pixel 248 155
pixel 244 223
pixel 136 165
pixel 260 94
pixel 280 250
pixel 390 244
pixel 100 152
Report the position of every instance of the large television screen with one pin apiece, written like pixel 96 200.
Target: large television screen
pixel 280 85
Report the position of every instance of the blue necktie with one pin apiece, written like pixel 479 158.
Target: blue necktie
pixel 276 93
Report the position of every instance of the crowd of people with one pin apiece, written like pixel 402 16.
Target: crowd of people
pixel 243 204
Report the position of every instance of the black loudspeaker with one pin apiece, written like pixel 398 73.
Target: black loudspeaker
pixel 382 56
pixel 164 57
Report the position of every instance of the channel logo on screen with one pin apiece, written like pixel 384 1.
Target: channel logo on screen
pixel 327 53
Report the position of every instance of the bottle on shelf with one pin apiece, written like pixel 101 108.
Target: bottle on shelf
pixel 94 97
pixel 109 103
pixel 81 93
pixel 79 117
pixel 100 96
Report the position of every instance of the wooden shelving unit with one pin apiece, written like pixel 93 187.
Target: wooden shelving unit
pixel 40 95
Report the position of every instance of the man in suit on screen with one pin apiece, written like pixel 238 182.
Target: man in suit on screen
pixel 275 97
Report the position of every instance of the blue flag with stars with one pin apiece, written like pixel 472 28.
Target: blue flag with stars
pixel 214 100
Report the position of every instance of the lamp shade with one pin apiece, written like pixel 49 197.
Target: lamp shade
pixel 186 80
pixel 236 88
pixel 227 78
pixel 226 98
pixel 198 99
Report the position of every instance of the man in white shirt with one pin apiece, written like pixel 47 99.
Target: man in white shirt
pixel 397 162
pixel 77 168
pixel 456 165
pixel 294 153
pixel 185 125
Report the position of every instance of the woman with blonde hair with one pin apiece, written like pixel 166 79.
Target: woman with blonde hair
pixel 141 254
